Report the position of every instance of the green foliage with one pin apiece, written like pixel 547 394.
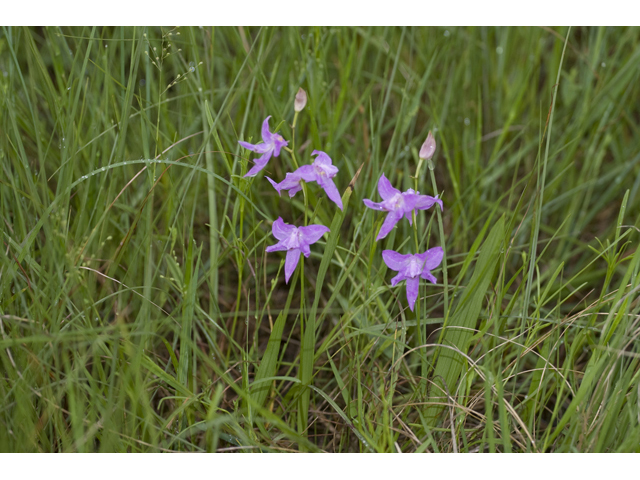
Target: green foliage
pixel 140 312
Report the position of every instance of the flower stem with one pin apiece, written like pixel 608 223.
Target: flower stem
pixel 302 324
pixel 445 279
pixel 417 242
pixel 422 337
pixel 292 151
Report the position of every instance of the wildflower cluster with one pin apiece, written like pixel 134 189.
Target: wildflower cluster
pixel 294 240
pixel 411 267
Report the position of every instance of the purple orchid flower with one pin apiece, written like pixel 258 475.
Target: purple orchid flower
pixel 321 171
pixel 273 142
pixel 294 240
pixel 412 268
pixel 398 204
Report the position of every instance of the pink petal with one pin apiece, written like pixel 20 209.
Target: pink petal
pixel 306 173
pixel 385 189
pixel 397 279
pixel 275 185
pixel 410 201
pixel 389 222
pixel 322 158
pixel 434 258
pixel 260 148
pixel 260 163
pixel 413 285
pixel 408 214
pixel 266 134
pixel 294 190
pixel 332 192
pixel 282 230
pixel 427 276
pixel 278 143
pixel 291 182
pixel 312 233
pixel 423 202
pixel 291 263
pixel 276 248
pixel 373 205
pixel 248 146
pixel 394 260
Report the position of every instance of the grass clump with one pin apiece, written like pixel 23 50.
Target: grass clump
pixel 139 310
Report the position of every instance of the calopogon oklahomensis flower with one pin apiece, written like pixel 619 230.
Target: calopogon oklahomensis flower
pixel 412 268
pixel 320 171
pixel 398 204
pixel 294 240
pixel 273 143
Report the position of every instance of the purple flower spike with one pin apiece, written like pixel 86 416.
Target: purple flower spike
pixel 321 171
pixel 398 204
pixel 411 268
pixel 294 240
pixel 273 142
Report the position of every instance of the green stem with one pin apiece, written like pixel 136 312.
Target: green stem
pixel 422 339
pixel 292 150
pixel 445 279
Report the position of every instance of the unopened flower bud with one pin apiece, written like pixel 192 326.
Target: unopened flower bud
pixel 428 147
pixel 301 100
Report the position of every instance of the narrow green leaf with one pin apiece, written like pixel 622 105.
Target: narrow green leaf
pixel 309 336
pixel 449 364
pixel 269 364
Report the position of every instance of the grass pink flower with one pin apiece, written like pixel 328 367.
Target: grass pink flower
pixel 398 204
pixel 273 142
pixel 294 240
pixel 411 268
pixel 321 171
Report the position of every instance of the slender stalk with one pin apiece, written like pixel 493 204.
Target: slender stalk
pixel 292 151
pixel 445 278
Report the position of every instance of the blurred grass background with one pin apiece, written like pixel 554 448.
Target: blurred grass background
pixel 137 301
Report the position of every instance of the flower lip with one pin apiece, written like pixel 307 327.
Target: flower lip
pixel 294 240
pixel 415 267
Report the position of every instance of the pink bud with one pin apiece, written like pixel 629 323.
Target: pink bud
pixel 301 100
pixel 428 147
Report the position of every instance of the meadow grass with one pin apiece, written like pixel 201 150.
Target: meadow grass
pixel 138 308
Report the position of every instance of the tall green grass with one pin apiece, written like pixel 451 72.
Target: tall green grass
pixel 140 312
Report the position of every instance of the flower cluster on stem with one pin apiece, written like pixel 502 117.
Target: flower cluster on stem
pixel 295 240
pixel 411 267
